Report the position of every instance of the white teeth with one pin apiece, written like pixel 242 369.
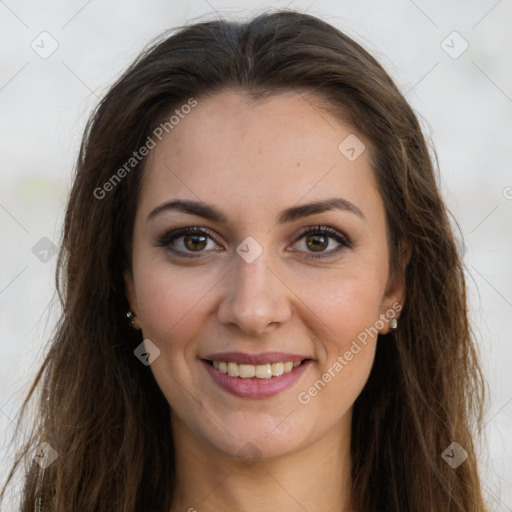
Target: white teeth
pixel 246 371
pixel 233 370
pixel 260 371
pixel 277 369
pixel 288 367
pixel 263 371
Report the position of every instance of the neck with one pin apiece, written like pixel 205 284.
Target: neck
pixel 316 478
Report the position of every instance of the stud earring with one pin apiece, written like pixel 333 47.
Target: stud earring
pixel 132 320
pixel 393 324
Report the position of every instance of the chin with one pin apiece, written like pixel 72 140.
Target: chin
pixel 249 439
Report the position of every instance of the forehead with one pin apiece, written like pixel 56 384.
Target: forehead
pixel 229 149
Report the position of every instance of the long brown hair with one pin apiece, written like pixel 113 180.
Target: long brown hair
pixel 101 410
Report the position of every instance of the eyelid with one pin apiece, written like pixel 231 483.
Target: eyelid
pixel 324 229
pixel 330 232
pixel 321 229
pixel 174 234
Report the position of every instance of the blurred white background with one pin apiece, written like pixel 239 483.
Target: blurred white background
pixel 463 98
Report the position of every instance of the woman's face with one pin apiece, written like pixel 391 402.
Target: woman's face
pixel 260 280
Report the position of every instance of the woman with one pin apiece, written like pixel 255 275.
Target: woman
pixel 263 303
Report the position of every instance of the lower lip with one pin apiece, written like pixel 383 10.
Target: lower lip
pixel 256 388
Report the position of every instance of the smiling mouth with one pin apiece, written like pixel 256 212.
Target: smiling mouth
pixel 260 371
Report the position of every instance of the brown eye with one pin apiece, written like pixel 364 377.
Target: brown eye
pixel 195 242
pixel 317 243
pixel 322 242
pixel 188 242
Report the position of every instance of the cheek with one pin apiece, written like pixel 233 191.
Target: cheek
pixel 348 308
pixel 351 315
pixel 169 297
pixel 171 306
pixel 349 302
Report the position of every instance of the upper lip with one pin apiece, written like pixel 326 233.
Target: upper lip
pixel 255 359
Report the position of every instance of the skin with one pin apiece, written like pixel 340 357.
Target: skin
pixel 252 160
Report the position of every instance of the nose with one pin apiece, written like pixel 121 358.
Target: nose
pixel 255 298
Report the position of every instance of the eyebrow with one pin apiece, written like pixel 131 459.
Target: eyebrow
pixel 291 214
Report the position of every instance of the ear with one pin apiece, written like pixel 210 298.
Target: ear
pixel 394 296
pixel 130 290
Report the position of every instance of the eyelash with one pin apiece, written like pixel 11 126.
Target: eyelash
pixel 168 238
